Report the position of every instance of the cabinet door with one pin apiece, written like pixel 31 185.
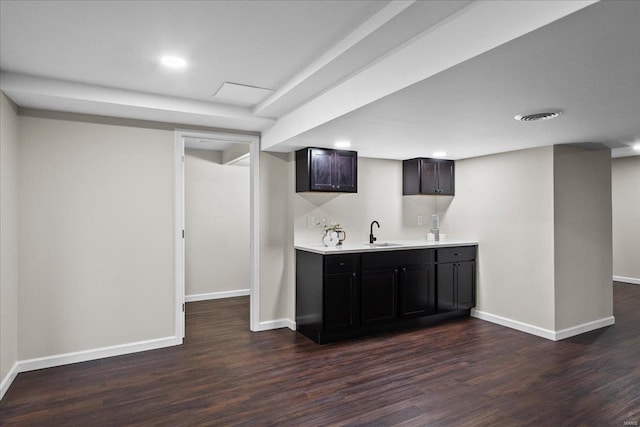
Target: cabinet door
pixel 346 171
pixel 378 296
pixel 428 177
pixel 340 301
pixel 446 177
pixel 322 169
pixel 446 289
pixel 437 176
pixel 465 284
pixel 416 291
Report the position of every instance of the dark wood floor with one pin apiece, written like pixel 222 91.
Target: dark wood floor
pixel 463 373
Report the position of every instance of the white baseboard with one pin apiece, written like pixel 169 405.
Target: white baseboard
pixel 542 332
pixel 513 324
pixel 96 353
pixel 585 327
pixel 8 379
pixel 277 324
pixel 216 295
pixel 626 280
pixel 83 356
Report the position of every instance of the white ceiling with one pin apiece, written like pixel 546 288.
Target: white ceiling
pixel 398 78
pixel 118 43
pixel 587 64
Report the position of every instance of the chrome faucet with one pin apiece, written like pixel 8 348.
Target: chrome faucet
pixel 371 237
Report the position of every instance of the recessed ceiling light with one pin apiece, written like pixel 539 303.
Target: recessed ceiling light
pixel 173 62
pixel 532 116
pixel 342 144
pixel 636 147
pixel 439 154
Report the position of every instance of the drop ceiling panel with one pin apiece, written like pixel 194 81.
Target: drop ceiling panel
pixel 241 94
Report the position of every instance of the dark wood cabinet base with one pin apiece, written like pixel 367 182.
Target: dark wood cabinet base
pixel 322 337
pixel 351 295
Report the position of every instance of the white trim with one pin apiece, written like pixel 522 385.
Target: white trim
pixel 83 356
pixel 254 234
pixel 216 295
pixel 541 332
pixel 585 327
pixel 254 297
pixel 178 236
pixel 513 324
pixel 96 353
pixel 277 324
pixel 631 280
pixel 8 379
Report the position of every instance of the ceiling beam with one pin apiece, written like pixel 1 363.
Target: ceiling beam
pixel 378 20
pixel 61 95
pixel 235 153
pixel 477 28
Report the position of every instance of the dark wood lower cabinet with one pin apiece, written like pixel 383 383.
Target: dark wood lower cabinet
pixel 348 295
pixel 465 284
pixel 456 280
pixel 417 291
pixel 446 287
pixel 341 306
pixel 379 290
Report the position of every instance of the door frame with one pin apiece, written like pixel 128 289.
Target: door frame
pixel 179 223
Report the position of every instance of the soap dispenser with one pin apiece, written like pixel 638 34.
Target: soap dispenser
pixel 435 227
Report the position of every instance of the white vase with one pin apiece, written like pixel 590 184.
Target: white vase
pixel 330 238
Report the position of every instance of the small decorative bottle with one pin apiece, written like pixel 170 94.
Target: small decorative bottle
pixel 435 227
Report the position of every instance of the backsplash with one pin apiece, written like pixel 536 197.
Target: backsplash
pixel 379 198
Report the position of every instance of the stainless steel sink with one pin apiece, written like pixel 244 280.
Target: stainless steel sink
pixel 383 244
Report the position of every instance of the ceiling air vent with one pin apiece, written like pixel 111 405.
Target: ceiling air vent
pixel 533 116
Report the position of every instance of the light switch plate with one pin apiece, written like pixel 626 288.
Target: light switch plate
pixel 420 220
pixel 311 221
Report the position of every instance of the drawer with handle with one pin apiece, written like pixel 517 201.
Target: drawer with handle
pixel 462 253
pixel 347 263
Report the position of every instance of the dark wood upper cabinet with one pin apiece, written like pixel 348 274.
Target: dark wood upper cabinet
pixel 326 170
pixel 428 176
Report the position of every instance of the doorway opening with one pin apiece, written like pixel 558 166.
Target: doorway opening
pixel 223 148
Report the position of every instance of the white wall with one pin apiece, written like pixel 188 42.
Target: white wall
pixel 379 197
pixel 505 201
pixel 582 221
pixel 626 218
pixel 8 240
pixel 96 242
pixel 277 277
pixel 509 211
pixel 217 225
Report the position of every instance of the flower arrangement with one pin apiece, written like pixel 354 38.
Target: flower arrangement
pixel 332 234
pixel 331 227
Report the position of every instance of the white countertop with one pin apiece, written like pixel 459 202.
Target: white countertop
pixel 348 248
